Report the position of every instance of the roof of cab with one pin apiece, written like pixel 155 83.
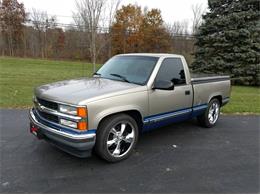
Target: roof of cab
pixel 151 54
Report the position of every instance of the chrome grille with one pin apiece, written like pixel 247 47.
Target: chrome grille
pixel 48 104
pixel 40 104
pixel 49 117
pixel 47 110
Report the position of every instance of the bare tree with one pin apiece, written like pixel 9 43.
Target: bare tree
pixel 112 7
pixel 42 23
pixel 197 11
pixel 88 14
pixel 184 27
pixel 178 28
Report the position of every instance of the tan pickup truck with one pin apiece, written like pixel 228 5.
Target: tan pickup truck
pixel 128 95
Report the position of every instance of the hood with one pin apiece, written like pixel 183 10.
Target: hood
pixel 77 90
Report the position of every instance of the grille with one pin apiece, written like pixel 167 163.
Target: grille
pixel 48 104
pixel 49 117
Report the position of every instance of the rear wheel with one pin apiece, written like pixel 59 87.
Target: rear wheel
pixel 116 137
pixel 211 115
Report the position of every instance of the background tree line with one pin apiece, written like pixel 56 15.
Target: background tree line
pixel 35 33
pixel 224 41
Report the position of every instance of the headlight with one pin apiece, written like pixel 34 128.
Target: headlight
pixel 77 111
pixel 82 125
pixel 68 123
pixel 68 109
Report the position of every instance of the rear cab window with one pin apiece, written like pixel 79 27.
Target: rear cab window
pixel 172 70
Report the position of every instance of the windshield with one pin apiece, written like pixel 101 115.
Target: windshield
pixel 132 69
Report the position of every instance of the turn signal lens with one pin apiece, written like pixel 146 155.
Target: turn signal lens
pixel 82 126
pixel 82 112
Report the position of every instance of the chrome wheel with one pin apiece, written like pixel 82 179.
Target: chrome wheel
pixel 213 113
pixel 120 139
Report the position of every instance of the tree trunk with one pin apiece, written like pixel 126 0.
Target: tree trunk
pixel 10 43
pixel 110 43
pixel 94 50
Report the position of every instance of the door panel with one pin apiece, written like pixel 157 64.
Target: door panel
pixel 163 101
pixel 167 106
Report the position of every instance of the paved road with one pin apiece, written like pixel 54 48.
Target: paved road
pixel 181 158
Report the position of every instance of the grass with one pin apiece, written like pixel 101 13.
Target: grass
pixel 19 76
pixel 243 100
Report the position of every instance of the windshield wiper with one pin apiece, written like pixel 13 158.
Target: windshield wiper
pixel 121 77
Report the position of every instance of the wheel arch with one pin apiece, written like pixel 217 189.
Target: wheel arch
pixel 218 97
pixel 134 113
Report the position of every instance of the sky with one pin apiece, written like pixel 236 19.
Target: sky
pixel 172 10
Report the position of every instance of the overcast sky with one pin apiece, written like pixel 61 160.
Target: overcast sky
pixel 172 10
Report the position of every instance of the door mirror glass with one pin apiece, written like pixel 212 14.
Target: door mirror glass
pixel 163 85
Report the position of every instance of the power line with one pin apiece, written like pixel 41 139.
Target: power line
pixel 63 16
pixel 113 30
pixel 98 28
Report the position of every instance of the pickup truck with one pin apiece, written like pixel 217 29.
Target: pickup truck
pixel 128 95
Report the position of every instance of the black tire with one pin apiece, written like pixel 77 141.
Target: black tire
pixel 105 133
pixel 204 119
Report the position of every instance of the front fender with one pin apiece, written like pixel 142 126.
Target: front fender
pixel 100 109
pixel 110 111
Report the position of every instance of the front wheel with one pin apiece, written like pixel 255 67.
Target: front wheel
pixel 211 115
pixel 116 137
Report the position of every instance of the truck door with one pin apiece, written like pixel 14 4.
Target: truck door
pixel 170 105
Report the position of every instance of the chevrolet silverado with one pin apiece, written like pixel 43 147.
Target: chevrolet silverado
pixel 128 95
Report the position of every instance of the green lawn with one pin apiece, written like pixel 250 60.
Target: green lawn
pixel 243 100
pixel 18 77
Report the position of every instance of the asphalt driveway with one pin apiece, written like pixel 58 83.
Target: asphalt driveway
pixel 181 158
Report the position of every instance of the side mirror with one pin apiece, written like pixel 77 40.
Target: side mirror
pixel 96 74
pixel 163 85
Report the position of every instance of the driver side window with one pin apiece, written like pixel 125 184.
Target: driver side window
pixel 172 70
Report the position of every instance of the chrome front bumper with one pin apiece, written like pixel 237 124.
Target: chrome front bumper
pixel 79 145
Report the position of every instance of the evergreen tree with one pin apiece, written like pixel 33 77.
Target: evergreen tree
pixel 228 41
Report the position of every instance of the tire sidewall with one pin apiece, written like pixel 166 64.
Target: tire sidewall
pixel 103 132
pixel 208 124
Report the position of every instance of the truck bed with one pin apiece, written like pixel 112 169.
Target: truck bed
pixel 206 78
pixel 206 86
